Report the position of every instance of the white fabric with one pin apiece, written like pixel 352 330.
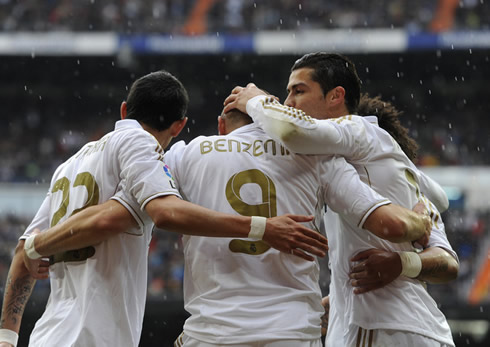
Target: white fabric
pixel 411 264
pixel 404 304
pixel 257 228
pixel 388 338
pixel 30 249
pixel 187 341
pixel 100 301
pixel 236 297
pixel 9 336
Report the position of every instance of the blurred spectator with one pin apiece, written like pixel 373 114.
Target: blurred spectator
pixel 201 16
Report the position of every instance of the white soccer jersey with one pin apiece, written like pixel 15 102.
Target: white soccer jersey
pixel 98 293
pixel 239 290
pixel 404 304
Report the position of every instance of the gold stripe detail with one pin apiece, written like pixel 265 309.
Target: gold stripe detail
pixel 367 173
pixel 371 337
pixel 359 334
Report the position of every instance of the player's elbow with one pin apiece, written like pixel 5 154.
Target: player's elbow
pixel 165 211
pixel 452 269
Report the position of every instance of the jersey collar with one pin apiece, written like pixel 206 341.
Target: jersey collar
pixel 127 123
pixel 372 119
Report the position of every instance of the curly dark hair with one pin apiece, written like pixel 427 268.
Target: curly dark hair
pixel 388 119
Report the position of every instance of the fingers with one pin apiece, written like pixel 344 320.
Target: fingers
pixel 299 253
pixel 300 218
pixel 362 255
pixel 365 289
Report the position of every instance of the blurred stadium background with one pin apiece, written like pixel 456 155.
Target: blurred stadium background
pixel 66 65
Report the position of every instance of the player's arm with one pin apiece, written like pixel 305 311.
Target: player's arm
pixel 398 224
pixel 285 233
pixel 375 268
pixel 297 131
pixel 433 191
pixel 18 289
pixel 357 203
pixel 88 227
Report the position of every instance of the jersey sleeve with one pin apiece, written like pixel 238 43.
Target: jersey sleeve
pixel 438 237
pixel 172 158
pixel 41 219
pixel 346 194
pixel 433 191
pixel 300 133
pixel 144 175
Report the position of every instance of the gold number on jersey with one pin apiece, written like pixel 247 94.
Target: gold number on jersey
pixel 267 208
pixel 83 179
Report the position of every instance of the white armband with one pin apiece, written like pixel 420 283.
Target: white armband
pixel 30 249
pixel 9 336
pixel 411 264
pixel 257 228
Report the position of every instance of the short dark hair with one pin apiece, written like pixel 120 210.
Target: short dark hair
pixel 388 119
pixel 331 70
pixel 236 116
pixel 157 100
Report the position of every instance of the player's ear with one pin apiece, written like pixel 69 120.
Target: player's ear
pixel 221 126
pixel 177 127
pixel 337 95
pixel 124 110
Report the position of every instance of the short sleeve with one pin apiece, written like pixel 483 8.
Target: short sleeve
pixel 346 194
pixel 144 175
pixel 40 220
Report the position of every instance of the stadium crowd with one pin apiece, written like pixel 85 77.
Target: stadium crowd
pixel 238 16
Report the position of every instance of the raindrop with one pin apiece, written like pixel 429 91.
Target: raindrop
pixel 430 92
pixel 280 21
pixel 252 75
pixel 367 70
pixel 40 98
pixel 25 88
pixel 33 55
pixel 255 5
pixel 436 67
pixel 411 95
pixel 300 7
pixel 227 77
pixel 471 51
pixel 450 126
pixel 420 81
pixel 438 53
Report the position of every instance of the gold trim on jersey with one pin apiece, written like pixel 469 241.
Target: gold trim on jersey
pixel 289 112
pixel 367 173
pixel 135 216
pixel 179 341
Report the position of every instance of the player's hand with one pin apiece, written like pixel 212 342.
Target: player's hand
pixel 6 344
pixel 421 209
pixel 286 234
pixel 239 97
pixel 373 269
pixel 326 306
pixel 38 268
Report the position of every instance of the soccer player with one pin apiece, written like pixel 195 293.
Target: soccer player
pixel 98 289
pixel 326 86
pixel 241 292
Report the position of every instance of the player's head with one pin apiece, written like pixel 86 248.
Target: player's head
pixel 234 119
pixel 388 119
pixel 324 85
pixel 157 100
